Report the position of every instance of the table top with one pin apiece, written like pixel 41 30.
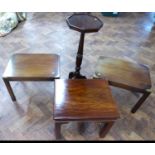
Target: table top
pixel 32 66
pixel 123 72
pixel 84 23
pixel 84 99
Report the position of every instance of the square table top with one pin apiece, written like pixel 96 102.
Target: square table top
pixel 32 66
pixel 84 99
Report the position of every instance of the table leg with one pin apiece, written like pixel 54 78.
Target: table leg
pixel 81 127
pixel 79 57
pixel 8 86
pixel 105 129
pixel 140 102
pixel 57 130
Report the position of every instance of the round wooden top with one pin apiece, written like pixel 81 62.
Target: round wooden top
pixel 85 23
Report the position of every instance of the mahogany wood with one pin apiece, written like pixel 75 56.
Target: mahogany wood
pixel 23 66
pixel 84 23
pixel 58 130
pixel 83 100
pixel 140 101
pixel 126 75
pixel 31 67
pixel 105 129
pixel 8 86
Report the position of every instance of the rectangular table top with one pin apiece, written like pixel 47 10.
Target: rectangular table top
pixel 32 66
pixel 123 72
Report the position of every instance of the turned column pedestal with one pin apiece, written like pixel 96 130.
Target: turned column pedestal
pixel 84 23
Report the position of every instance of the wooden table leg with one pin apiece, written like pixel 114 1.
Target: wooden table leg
pixel 8 86
pixel 81 127
pixel 57 130
pixel 105 129
pixel 140 102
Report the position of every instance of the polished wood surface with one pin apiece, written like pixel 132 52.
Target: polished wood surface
pixel 84 23
pixel 123 72
pixel 30 66
pixel 130 36
pixel 84 100
pixel 79 57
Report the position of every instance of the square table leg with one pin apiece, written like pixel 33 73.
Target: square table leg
pixel 57 130
pixel 140 101
pixel 105 129
pixel 81 127
pixel 8 86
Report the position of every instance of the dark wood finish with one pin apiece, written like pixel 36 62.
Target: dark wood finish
pixel 31 67
pixel 81 127
pixel 58 130
pixel 8 86
pixel 124 72
pixel 126 75
pixel 140 101
pixel 105 129
pixel 79 58
pixel 83 100
pixel 84 23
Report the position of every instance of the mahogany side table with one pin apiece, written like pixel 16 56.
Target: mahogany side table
pixel 31 67
pixel 84 100
pixel 84 23
pixel 127 75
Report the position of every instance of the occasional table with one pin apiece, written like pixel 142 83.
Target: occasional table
pixel 84 23
pixel 84 100
pixel 31 67
pixel 127 75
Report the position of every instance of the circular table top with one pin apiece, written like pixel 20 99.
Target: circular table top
pixel 84 23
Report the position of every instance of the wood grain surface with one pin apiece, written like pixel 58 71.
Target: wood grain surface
pixel 84 100
pixel 123 72
pixel 27 66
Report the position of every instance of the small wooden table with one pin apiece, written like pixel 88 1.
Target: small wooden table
pixel 31 67
pixel 127 75
pixel 84 100
pixel 84 23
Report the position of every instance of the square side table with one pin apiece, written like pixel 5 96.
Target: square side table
pixel 31 67
pixel 127 75
pixel 84 100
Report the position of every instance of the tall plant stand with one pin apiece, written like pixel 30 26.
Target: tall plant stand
pixel 83 23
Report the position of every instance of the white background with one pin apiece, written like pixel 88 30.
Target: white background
pixel 77 149
pixel 78 5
